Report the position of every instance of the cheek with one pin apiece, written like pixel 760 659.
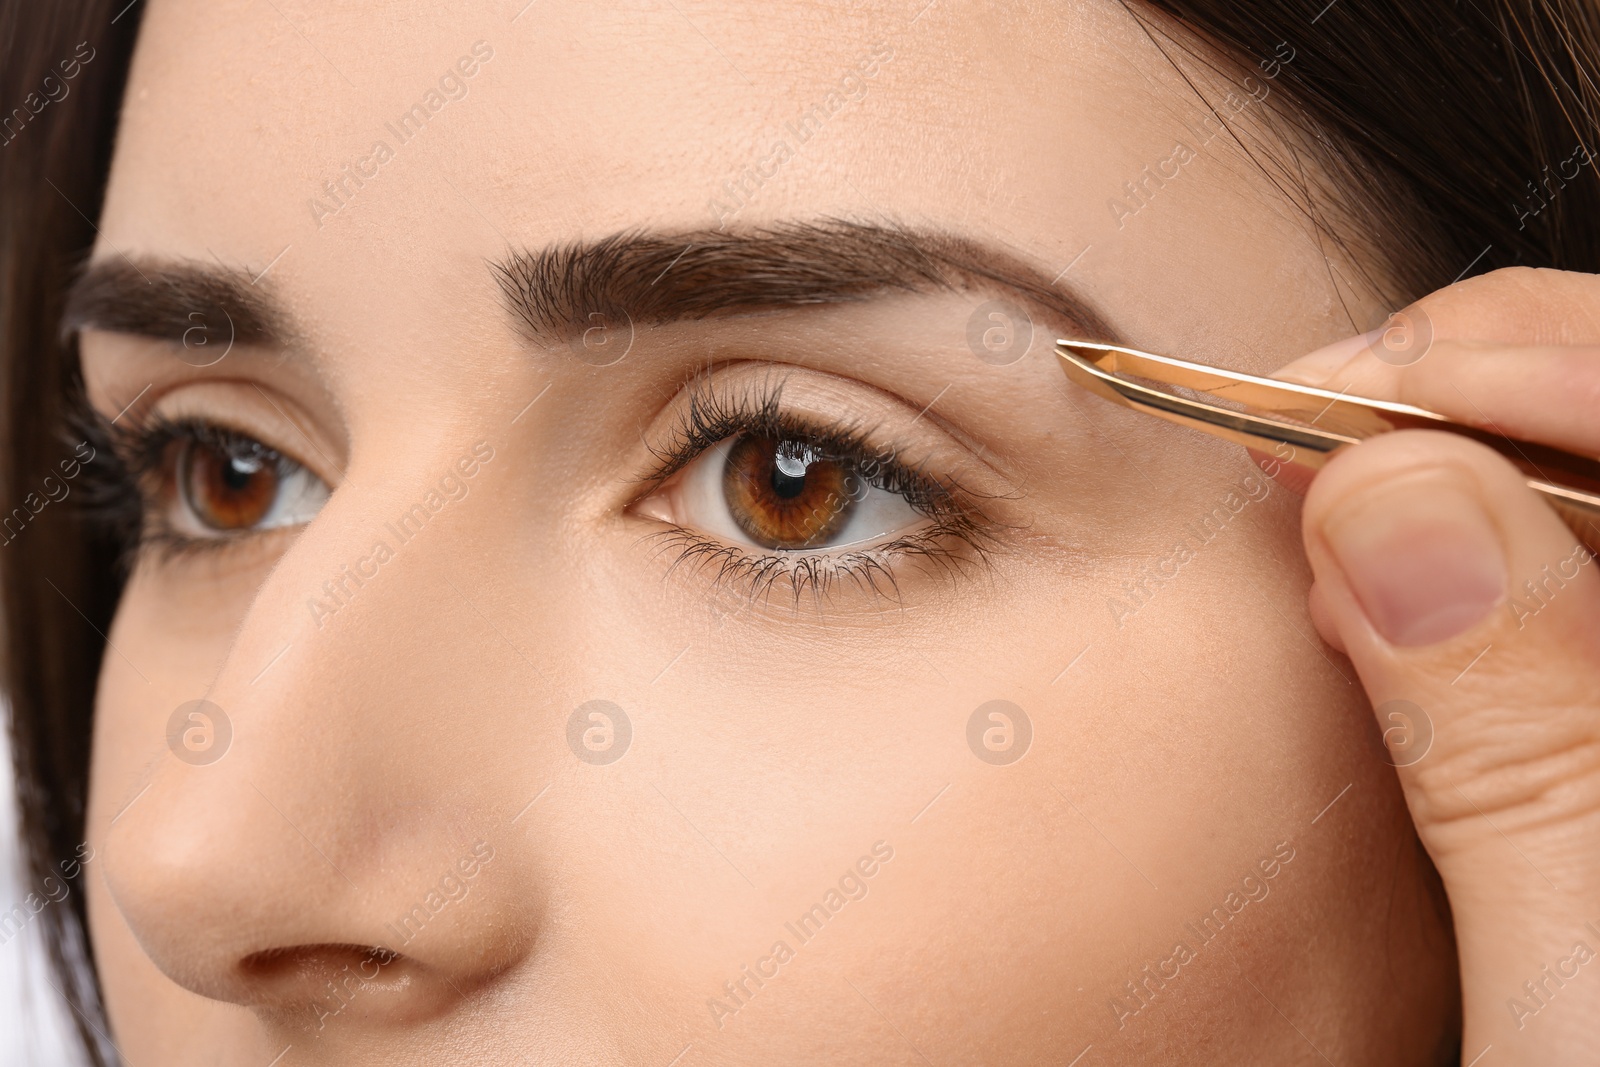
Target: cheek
pixel 146 1009
pixel 1169 757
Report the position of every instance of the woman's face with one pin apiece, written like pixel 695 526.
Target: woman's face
pixel 607 628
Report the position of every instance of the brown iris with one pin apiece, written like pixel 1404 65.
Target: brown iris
pixel 227 490
pixel 786 493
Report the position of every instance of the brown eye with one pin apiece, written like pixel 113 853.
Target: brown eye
pixel 227 490
pixel 785 493
pixel 788 494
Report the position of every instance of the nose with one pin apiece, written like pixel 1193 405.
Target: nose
pixel 315 841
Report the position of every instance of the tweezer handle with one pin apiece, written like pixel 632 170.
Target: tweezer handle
pixel 1576 499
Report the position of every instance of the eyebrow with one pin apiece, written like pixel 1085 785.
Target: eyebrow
pixel 654 278
pixel 183 301
pixel 649 277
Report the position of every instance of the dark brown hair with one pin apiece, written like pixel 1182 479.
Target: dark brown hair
pixel 1459 132
pixel 59 575
pixel 1462 133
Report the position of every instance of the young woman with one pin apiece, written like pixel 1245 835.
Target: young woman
pixel 591 558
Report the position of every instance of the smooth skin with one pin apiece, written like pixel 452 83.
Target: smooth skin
pixel 1196 748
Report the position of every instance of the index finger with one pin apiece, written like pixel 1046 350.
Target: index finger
pixel 1515 352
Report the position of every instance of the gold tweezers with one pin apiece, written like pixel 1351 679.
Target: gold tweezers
pixel 1313 423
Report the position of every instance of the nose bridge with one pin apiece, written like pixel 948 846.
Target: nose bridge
pixel 322 814
pixel 421 521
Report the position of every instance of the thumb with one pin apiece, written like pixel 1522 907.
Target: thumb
pixel 1473 617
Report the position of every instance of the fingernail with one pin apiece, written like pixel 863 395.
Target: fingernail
pixel 1422 558
pixel 1319 366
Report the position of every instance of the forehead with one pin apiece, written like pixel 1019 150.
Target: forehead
pixel 418 138
pixel 584 108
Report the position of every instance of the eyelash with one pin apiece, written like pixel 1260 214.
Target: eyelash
pixel 960 534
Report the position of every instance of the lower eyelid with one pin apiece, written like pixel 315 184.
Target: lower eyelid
pixel 875 573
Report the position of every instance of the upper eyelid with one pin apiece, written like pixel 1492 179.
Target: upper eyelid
pixel 838 442
pixel 270 432
pixel 255 391
pixel 332 483
pixel 759 406
pixel 139 439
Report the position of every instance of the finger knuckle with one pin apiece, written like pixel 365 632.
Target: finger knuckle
pixel 1506 770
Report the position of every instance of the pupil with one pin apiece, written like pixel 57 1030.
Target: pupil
pixel 789 469
pixel 237 473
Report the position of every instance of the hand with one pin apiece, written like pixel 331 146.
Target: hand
pixel 1472 614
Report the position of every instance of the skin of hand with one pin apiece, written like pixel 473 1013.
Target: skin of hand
pixel 1472 614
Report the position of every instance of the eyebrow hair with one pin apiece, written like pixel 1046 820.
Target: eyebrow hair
pixel 650 277
pixel 654 278
pixel 185 302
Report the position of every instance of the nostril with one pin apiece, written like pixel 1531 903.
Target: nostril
pixel 308 986
pixel 313 961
